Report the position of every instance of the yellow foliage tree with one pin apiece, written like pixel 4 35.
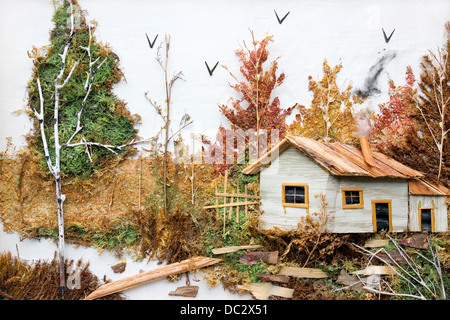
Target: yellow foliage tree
pixel 330 116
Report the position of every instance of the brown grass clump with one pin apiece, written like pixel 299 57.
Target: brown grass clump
pixel 39 281
pixel 170 240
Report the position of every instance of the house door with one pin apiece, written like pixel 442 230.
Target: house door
pixel 426 218
pixel 381 215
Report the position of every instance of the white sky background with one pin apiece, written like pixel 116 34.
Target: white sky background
pixel 346 30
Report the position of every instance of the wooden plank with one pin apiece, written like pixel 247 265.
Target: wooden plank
pixel 237 195
pixel 303 272
pixel 217 202
pixel 171 269
pixel 376 243
pixel 262 291
pixel 245 200
pixel 235 248
pixel 230 205
pixel 370 270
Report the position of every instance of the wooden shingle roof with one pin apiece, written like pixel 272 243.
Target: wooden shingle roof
pixel 422 187
pixel 338 159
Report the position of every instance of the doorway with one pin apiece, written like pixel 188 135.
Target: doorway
pixel 381 215
pixel 426 216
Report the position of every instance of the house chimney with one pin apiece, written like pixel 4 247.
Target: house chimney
pixel 365 149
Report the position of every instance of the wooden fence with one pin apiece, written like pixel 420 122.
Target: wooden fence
pixel 233 201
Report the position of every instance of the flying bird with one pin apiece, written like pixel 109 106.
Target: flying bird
pixel 387 38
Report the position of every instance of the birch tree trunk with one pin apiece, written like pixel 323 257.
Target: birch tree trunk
pixel 55 168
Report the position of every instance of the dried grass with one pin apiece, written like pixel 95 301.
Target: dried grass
pixel 20 280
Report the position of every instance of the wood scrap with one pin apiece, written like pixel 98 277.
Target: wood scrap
pixel 235 248
pixel 279 278
pixel 263 290
pixel 377 243
pixel 186 291
pixel 252 258
pixel 171 269
pixel 370 270
pixel 419 241
pixel 303 272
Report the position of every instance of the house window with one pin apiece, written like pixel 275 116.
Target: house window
pixel 295 195
pixel 352 198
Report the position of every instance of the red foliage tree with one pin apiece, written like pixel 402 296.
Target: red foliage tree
pixel 255 112
pixel 393 127
pixel 414 126
pixel 256 109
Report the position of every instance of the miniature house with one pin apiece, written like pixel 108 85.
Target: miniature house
pixel 366 190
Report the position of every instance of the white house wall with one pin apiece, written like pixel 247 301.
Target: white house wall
pixel 293 166
pixel 360 220
pixel 425 201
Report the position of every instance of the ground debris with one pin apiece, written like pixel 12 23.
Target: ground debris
pixel 119 267
pixel 186 291
pixel 279 278
pixel 419 241
pixel 370 270
pixel 165 271
pixel 234 249
pixel 376 243
pixel 303 272
pixel 252 258
pixel 391 257
pixel 350 282
pixel 262 291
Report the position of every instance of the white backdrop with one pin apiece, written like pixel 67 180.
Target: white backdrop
pixel 349 31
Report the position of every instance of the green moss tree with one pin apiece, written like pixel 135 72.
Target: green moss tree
pixel 79 123
pixel 88 110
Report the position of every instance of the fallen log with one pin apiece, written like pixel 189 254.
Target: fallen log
pixel 143 277
pixel 262 291
pixel 235 248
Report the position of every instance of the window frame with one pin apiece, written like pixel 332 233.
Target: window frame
pixel 352 206
pixel 296 205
